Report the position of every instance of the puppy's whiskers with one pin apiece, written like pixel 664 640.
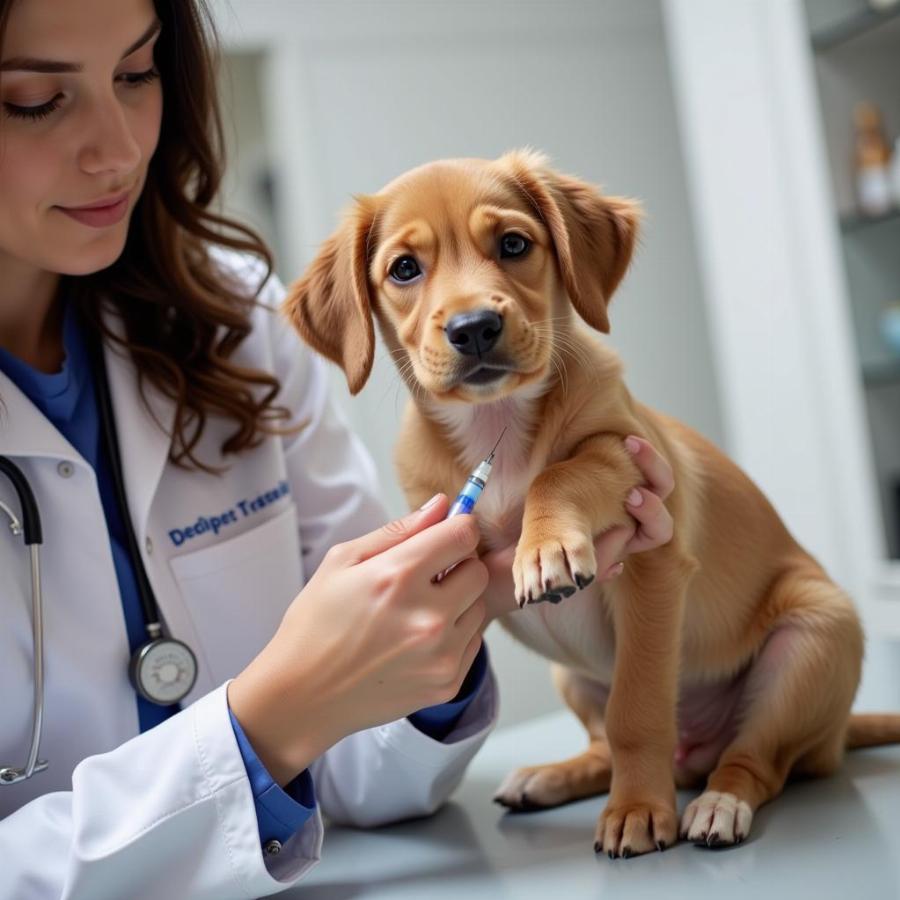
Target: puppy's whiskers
pixel 562 341
pixel 396 381
pixel 401 366
pixel 560 371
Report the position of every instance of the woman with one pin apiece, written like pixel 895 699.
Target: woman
pixel 363 696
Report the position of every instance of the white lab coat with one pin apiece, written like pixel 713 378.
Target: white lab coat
pixel 169 813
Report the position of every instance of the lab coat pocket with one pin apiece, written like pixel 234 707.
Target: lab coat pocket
pixel 237 591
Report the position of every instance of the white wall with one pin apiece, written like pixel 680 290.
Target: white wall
pixel 353 94
pixel 248 156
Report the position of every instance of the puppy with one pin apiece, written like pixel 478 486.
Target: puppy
pixel 726 656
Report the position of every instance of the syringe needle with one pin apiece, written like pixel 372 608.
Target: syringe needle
pixel 491 456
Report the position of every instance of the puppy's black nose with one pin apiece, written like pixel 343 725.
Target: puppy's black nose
pixel 474 332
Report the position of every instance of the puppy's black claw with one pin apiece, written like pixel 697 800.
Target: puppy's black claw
pixel 598 847
pixel 566 590
pixel 583 580
pixel 611 854
pixel 660 845
pixel 626 852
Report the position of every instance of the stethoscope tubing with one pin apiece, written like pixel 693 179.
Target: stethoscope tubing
pixel 31 528
pixel 31 517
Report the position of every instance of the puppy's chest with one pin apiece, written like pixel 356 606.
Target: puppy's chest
pixel 577 632
pixel 502 503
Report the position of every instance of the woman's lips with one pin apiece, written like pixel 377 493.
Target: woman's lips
pixel 98 216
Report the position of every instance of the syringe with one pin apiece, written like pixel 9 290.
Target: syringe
pixel 467 498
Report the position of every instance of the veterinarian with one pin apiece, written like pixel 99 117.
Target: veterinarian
pixel 233 643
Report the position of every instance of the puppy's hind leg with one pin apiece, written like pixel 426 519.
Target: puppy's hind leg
pixel 798 696
pixel 585 775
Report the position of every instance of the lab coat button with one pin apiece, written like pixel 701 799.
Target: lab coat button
pixel 148 545
pixel 273 847
pixel 65 469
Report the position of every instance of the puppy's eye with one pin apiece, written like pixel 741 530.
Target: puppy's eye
pixel 405 269
pixel 513 245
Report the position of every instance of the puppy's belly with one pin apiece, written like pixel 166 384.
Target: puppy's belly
pixel 576 632
pixel 708 718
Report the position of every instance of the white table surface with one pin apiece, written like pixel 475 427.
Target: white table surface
pixel 831 838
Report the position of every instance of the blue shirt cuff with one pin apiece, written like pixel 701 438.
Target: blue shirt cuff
pixel 438 721
pixel 279 812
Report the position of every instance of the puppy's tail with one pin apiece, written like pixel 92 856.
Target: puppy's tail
pixel 872 730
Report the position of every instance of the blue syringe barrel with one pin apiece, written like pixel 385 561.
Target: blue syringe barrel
pixel 467 498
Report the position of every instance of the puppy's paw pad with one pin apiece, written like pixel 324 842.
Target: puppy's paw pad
pixel 716 819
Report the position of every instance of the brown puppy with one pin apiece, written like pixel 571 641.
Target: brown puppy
pixel 726 653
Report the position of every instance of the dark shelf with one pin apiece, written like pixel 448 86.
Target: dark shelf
pixel 882 373
pixel 851 27
pixel 856 222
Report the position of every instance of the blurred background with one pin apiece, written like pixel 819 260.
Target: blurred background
pixel 760 136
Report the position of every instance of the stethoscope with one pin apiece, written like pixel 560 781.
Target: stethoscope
pixel 162 669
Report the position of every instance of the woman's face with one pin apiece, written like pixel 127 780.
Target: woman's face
pixel 80 111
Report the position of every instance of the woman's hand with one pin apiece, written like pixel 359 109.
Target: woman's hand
pixel 371 638
pixel 653 527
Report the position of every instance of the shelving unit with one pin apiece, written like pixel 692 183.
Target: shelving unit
pixel 794 278
pixel 856 56
pixel 877 374
pixel 850 25
pixel 856 222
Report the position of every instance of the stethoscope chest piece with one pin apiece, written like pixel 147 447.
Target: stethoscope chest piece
pixel 163 670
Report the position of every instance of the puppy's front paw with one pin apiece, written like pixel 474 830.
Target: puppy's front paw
pixel 629 829
pixel 716 819
pixel 529 789
pixel 552 568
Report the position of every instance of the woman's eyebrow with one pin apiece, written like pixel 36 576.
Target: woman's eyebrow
pixel 27 64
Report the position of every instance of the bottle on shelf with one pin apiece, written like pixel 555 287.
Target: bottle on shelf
pixel 895 173
pixel 872 158
pixel 890 327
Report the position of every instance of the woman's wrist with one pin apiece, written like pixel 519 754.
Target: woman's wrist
pixel 287 731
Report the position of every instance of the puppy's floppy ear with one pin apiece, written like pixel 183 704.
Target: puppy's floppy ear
pixel 331 306
pixel 594 235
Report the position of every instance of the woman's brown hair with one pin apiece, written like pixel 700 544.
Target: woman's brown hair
pixel 183 316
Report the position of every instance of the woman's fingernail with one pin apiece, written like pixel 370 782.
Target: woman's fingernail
pixel 635 498
pixel 431 502
pixel 615 571
pixel 632 444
